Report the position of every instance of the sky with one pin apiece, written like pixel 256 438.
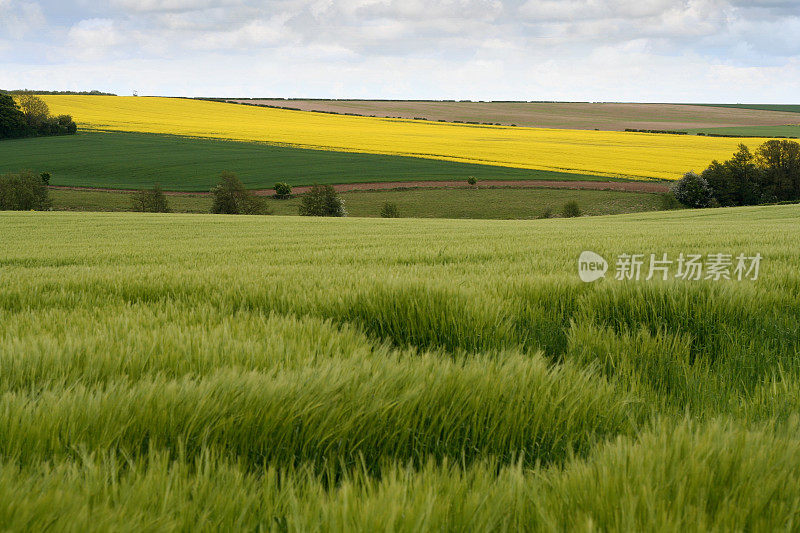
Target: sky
pixel 712 51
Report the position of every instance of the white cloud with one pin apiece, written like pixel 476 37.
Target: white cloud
pixel 19 18
pixel 93 38
pixel 505 49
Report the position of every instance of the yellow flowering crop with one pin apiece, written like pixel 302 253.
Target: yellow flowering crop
pixel 606 153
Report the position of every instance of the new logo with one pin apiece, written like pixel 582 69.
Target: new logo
pixel 591 266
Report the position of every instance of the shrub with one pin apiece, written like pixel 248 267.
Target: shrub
pixel 23 192
pixel 547 212
pixel 283 190
pixel 571 209
pixel 692 191
pixel 390 210
pixel 151 201
pixel 322 201
pixel 471 180
pixel 231 198
pixel 669 202
pixel 45 177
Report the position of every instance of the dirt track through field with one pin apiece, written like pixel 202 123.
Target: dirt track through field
pixel 625 186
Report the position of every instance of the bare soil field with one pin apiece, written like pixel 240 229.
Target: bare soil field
pixel 603 116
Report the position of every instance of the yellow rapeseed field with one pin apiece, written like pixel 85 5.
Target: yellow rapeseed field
pixel 614 154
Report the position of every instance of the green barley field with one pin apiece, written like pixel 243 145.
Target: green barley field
pixel 216 372
pixel 500 203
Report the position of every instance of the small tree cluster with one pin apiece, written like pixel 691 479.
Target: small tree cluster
pixel 771 174
pixel 151 201
pixel 24 191
pixel 322 201
pixel 30 116
pixel 231 198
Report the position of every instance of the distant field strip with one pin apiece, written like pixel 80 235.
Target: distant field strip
pixel 568 115
pixel 610 154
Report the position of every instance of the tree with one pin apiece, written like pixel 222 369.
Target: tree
pixel 780 163
pixel 151 201
pixel 12 120
pixel 736 181
pixel 230 197
pixel 34 108
pixel 692 191
pixel 22 192
pixel 283 190
pixel 322 201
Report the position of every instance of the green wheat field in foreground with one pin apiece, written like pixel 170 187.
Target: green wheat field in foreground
pixel 204 372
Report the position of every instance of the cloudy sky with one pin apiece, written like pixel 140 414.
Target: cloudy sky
pixel 595 50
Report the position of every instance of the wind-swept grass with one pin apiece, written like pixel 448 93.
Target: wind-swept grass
pixel 166 372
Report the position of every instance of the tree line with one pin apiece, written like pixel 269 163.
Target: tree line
pixel 771 174
pixel 27 115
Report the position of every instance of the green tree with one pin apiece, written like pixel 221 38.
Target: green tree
pixel 692 191
pixel 34 108
pixel 231 197
pixel 322 201
pixel 737 181
pixel 12 120
pixel 23 192
pixel 780 162
pixel 283 190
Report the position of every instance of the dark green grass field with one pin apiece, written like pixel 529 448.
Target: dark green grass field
pixel 137 160
pixel 755 131
pixel 498 203
pixel 785 108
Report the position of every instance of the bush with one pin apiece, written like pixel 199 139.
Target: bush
pixel 692 191
pixel 45 177
pixel 669 202
pixel 23 192
pixel 471 180
pixel 547 212
pixel 151 201
pixel 283 190
pixel 390 210
pixel 571 210
pixel 322 201
pixel 231 198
